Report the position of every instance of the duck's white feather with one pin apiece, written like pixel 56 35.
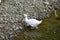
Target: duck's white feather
pixel 32 22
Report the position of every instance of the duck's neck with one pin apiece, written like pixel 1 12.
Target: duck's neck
pixel 26 18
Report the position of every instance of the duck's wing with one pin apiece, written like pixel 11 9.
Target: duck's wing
pixel 33 22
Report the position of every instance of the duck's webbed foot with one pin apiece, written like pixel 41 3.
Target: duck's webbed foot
pixel 28 25
pixel 36 27
pixel 32 27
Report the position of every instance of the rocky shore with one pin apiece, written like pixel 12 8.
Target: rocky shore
pixel 11 14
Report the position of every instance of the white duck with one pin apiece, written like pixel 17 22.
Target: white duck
pixel 32 22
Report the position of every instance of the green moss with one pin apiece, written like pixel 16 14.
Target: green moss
pixel 48 30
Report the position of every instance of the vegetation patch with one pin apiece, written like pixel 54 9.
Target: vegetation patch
pixel 48 30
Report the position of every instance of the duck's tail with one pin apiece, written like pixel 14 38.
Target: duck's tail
pixel 40 21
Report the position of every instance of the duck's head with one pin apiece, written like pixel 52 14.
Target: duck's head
pixel 25 15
